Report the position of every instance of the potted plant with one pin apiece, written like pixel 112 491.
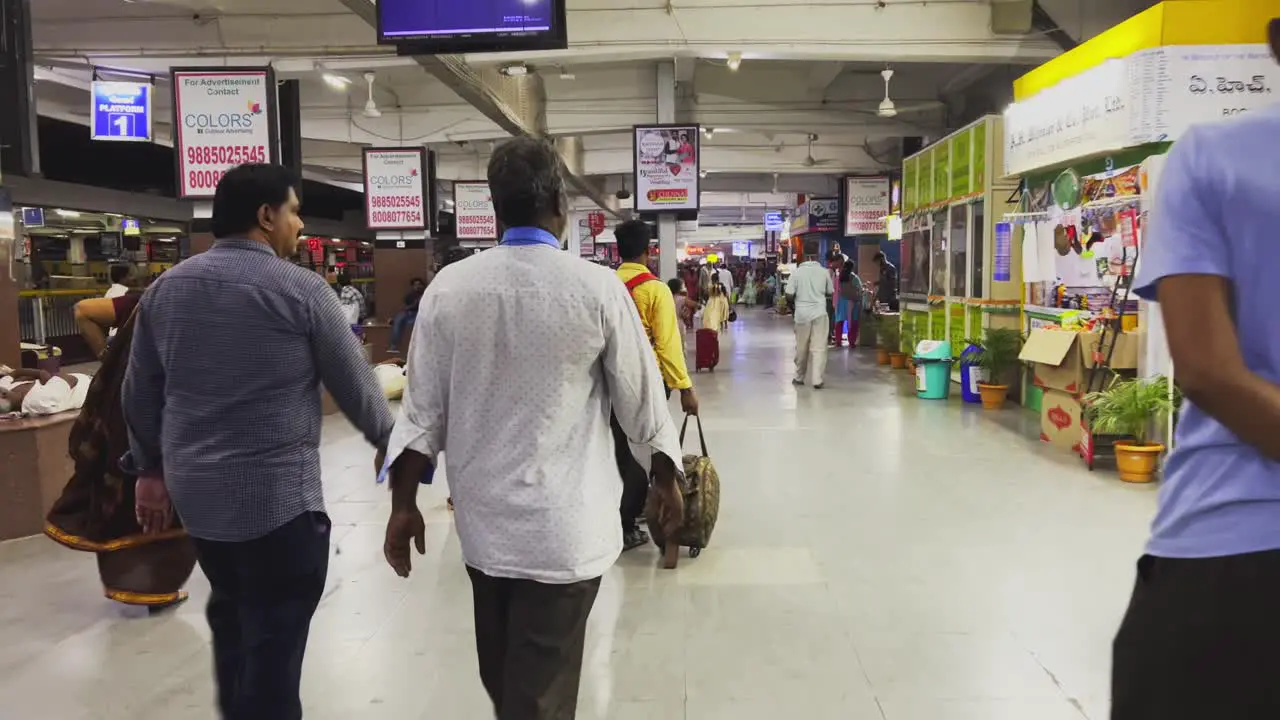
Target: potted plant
pixel 999 355
pixel 910 338
pixel 891 343
pixel 1129 408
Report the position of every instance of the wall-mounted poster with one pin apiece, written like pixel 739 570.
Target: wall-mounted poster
pixel 394 197
pixel 866 205
pixel 666 168
pixel 222 117
pixel 474 217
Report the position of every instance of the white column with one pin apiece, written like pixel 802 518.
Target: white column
pixel 666 93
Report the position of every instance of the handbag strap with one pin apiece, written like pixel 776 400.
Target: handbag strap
pixel 702 440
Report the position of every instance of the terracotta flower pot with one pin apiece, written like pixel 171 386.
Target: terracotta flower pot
pixel 897 361
pixel 882 356
pixel 993 396
pixel 1137 463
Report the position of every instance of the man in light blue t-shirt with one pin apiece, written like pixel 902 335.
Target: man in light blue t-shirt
pixel 1201 638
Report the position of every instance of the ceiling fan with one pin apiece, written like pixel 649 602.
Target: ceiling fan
pixel 809 160
pixel 371 106
pixel 887 107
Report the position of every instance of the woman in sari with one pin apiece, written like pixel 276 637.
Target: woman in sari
pixel 97 512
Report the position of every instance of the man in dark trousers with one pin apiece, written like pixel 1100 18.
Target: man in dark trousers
pixel 1201 638
pixel 222 400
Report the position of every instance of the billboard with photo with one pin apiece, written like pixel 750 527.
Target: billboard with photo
pixel 666 164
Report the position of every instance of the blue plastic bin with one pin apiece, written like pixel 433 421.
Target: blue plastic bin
pixel 971 375
pixel 933 369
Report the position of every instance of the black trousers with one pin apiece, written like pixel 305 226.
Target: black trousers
pixel 264 593
pixel 635 481
pixel 1201 639
pixel 529 639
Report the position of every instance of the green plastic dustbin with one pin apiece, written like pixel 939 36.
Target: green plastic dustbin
pixel 933 369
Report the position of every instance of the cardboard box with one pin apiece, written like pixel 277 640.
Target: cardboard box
pixel 1061 423
pixel 1062 359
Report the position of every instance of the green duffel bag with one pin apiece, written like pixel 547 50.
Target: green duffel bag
pixel 700 487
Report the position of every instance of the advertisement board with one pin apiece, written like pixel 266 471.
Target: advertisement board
pixel 866 205
pixel 474 218
pixel 395 195
pixel 222 117
pixel 121 111
pixel 666 166
pixel 773 221
pixel 824 214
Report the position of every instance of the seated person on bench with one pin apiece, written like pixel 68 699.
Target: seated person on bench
pixel 37 392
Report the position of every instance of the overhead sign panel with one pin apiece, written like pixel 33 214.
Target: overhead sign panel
pixel 867 202
pixel 223 117
pixel 474 217
pixel 773 221
pixel 394 195
pixel 666 167
pixel 121 111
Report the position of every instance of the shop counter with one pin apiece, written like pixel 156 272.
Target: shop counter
pixel 35 465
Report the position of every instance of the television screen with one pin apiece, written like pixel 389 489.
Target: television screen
pixel 425 27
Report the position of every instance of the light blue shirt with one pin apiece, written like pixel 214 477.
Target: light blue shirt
pixel 1218 213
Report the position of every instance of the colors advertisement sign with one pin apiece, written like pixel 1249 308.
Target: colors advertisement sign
pixel 474 217
pixel 666 164
pixel 121 111
pixel 223 117
pixel 867 203
pixel 394 191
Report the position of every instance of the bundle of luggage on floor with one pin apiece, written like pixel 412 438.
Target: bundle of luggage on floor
pixel 700 488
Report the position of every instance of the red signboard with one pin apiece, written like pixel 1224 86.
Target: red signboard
pixel 595 222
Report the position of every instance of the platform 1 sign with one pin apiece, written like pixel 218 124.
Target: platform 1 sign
pixel 394 193
pixel 223 117
pixel 121 111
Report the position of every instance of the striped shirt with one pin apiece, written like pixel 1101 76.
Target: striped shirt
pixel 223 388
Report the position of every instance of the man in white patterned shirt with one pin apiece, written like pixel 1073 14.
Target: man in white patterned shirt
pixel 517 357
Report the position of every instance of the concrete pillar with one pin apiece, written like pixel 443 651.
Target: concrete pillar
pixel 666 93
pixel 18 156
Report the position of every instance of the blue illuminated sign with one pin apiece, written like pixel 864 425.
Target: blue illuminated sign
pixel 33 217
pixel 773 221
pixel 121 111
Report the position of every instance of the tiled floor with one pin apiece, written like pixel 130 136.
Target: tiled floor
pixel 878 557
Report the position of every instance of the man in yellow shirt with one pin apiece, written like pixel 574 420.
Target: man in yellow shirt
pixel 657 308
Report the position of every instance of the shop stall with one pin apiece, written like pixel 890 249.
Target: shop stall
pixel 1085 141
pixel 957 276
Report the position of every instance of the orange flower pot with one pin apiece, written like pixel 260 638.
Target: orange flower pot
pixel 1137 463
pixel 882 356
pixel 897 361
pixel 993 396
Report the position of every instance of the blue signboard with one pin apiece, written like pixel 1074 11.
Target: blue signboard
pixel 1003 270
pixel 773 221
pixel 130 226
pixel 121 111
pixel 33 217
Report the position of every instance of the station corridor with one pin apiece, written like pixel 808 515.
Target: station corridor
pixel 877 557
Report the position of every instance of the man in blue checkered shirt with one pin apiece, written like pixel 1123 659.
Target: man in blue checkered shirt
pixel 222 400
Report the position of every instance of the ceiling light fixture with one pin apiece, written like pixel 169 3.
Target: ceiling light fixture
pixel 703 173
pixel 67 213
pixel 335 81
pixel 735 60
pixel 708 131
pixel 514 70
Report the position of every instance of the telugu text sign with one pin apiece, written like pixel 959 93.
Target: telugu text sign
pixel 222 118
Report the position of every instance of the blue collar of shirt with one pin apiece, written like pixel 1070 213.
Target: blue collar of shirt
pixel 529 236
pixel 239 243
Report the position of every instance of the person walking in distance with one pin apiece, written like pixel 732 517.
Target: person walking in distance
pixel 534 480
pixel 407 314
pixel 810 290
pixel 222 402
pixel 658 315
pixel 1201 638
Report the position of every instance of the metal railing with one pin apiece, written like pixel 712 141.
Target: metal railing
pixel 44 314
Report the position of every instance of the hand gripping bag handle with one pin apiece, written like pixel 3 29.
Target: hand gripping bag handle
pixel 701 438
